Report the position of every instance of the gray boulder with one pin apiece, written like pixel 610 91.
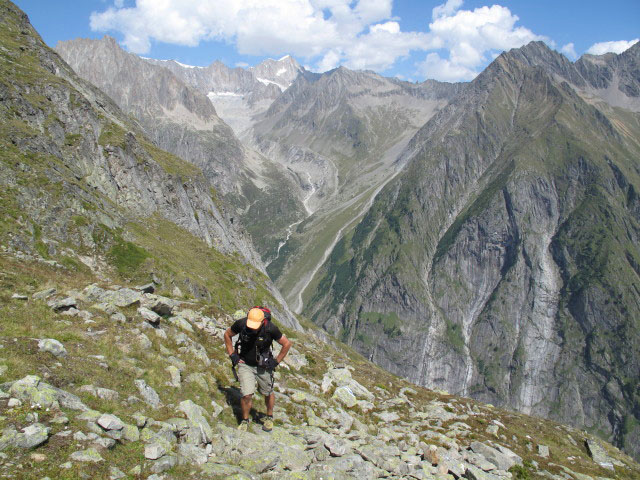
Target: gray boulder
pixel 599 455
pixel 336 446
pixel 52 346
pixel 90 455
pixel 125 297
pixel 44 294
pixel 191 454
pixel 110 422
pixel 150 316
pixel 499 459
pixel 199 430
pixel 63 304
pixel 154 451
pixel 149 395
pixel 33 436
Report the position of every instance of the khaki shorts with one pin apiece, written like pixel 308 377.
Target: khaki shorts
pixel 248 376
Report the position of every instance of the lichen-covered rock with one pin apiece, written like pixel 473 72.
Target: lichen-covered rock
pixel 200 431
pixel 182 323
pixel 149 395
pixel 345 396
pixel 164 463
pixel 130 433
pixel 32 390
pixel 33 435
pixel 90 455
pixel 52 346
pixel 110 422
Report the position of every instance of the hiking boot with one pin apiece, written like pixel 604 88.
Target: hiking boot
pixel 244 425
pixel 267 424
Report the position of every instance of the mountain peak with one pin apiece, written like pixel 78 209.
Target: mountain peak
pixel 281 73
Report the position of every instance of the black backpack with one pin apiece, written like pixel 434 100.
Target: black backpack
pixel 263 339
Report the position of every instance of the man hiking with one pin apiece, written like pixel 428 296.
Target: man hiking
pixel 254 360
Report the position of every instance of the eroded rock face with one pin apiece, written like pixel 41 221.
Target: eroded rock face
pixel 491 265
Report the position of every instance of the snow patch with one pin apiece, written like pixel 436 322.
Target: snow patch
pixel 171 60
pixel 267 82
pixel 281 71
pixel 186 66
pixel 223 94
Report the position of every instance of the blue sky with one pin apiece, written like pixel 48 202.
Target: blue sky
pixel 448 40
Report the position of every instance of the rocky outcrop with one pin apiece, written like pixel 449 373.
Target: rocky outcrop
pixel 500 260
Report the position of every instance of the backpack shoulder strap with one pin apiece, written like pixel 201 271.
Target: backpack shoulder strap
pixel 240 335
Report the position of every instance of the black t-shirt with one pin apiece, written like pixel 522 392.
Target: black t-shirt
pixel 251 343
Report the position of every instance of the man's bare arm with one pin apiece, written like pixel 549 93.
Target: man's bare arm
pixel 286 345
pixel 227 340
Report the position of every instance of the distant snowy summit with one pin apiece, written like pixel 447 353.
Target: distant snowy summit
pixel 264 81
pixel 281 73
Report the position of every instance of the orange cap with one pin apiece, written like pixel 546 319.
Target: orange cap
pixel 255 318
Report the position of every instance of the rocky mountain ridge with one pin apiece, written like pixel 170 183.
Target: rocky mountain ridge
pixel 182 120
pixel 238 93
pixel 83 185
pixel 499 261
pixel 610 77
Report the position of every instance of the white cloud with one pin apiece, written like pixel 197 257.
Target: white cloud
pixel 446 9
pixel 615 47
pixel 472 38
pixel 389 27
pixel 445 70
pixel 359 34
pixel 570 51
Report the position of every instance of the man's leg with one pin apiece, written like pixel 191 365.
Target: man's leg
pixel 270 401
pixel 245 406
pixel 247 376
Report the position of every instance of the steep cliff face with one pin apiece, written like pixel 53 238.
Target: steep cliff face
pixel 182 120
pixel 502 262
pixel 83 188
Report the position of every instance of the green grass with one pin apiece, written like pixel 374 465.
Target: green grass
pixel 127 257
pixel 390 322
pixel 113 135
pixel 170 163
